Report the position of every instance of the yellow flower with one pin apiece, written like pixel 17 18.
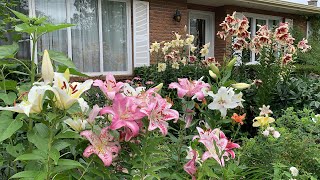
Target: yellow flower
pixel 162 67
pixel 175 65
pixel 241 86
pixel 262 121
pixel 155 47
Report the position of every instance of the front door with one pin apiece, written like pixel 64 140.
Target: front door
pixel 201 25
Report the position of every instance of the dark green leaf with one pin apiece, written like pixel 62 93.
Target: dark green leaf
pixel 46 28
pixel 54 155
pixel 9 127
pixel 61 58
pixel 67 134
pixel 62 69
pixel 30 157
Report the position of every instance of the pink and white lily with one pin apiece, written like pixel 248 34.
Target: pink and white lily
pixel 103 145
pixel 159 112
pixel 110 87
pixel 190 167
pixel 194 89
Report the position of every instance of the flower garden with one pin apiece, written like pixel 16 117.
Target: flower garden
pixel 187 116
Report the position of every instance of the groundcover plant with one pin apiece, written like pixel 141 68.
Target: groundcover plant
pixel 51 132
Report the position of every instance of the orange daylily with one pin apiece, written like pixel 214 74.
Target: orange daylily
pixel 237 118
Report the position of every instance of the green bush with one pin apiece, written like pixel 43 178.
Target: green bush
pixel 297 146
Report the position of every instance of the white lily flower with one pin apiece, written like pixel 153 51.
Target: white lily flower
pixel 67 94
pixel 34 102
pixel 83 105
pixel 130 91
pixel 77 125
pixel 47 68
pixel 223 100
pixel 294 171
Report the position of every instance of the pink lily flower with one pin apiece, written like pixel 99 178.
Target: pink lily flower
pixel 217 144
pixel 159 112
pixel 110 87
pixel 125 113
pixel 190 167
pixel 103 145
pixel 190 88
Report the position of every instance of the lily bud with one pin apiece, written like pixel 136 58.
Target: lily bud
pixel 241 86
pixel 214 69
pixel 159 87
pixel 232 62
pixel 47 68
pixel 212 74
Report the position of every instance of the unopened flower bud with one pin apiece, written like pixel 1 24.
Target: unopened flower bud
pixel 276 134
pixel 241 86
pixel 212 74
pixel 266 133
pixel 214 69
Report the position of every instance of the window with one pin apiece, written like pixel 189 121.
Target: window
pixel 249 57
pixel 99 42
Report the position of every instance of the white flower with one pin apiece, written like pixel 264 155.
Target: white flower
pixel 184 60
pixel 34 102
pixel 77 125
pixel 223 100
pixel 175 65
pixel 66 94
pixel 241 86
pixel 189 40
pixel 190 155
pixel 238 99
pixel 266 133
pixel 294 171
pixel 192 48
pixel 83 105
pixel 276 134
pixel 130 91
pixel 162 67
pixel 265 110
pixel 271 129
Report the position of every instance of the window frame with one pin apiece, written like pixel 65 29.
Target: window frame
pixel 32 13
pixel 253 29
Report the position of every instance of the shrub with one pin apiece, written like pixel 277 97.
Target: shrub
pixel 298 146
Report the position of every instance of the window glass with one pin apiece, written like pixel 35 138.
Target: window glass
pixel 198 29
pixel 56 13
pixel 85 35
pixel 114 29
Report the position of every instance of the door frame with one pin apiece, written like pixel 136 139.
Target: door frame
pixel 210 29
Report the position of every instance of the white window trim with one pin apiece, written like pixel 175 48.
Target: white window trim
pixel 32 13
pixel 254 30
pixel 200 14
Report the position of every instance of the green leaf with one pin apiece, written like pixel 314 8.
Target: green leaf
pixel 42 129
pixel 67 134
pixel 26 174
pixel 39 141
pixel 46 28
pixel 8 127
pixel 61 144
pixel 61 58
pixel 19 72
pixel 8 98
pixel 62 69
pixel 66 164
pixel 16 150
pixel 21 16
pixel 54 155
pixel 24 27
pixel 8 51
pixel 30 157
pixel 8 85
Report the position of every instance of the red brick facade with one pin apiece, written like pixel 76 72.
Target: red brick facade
pixel 162 23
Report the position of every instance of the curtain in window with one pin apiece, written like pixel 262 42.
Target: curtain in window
pixel 55 11
pixel 114 28
pixel 85 35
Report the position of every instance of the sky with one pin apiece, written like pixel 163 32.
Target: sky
pixel 298 1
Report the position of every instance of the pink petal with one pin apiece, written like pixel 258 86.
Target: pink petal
pixel 106 158
pixel 206 155
pixel 88 151
pixel 133 126
pixel 117 123
pixel 108 110
pixel 93 114
pixel 111 94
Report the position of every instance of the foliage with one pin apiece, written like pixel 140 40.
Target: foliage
pixel 299 136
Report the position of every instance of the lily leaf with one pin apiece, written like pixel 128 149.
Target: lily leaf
pixel 8 51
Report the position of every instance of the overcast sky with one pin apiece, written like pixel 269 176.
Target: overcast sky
pixel 298 1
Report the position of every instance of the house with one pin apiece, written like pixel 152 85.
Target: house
pixel 114 35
